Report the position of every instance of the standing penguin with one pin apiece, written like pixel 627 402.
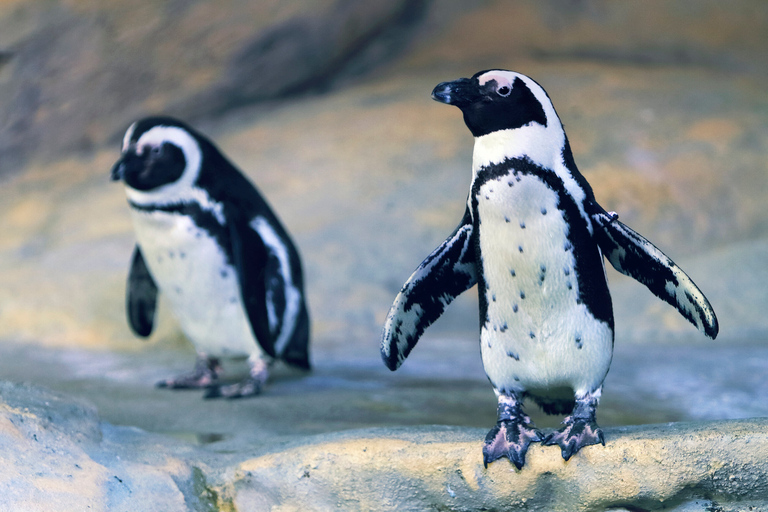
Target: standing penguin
pixel 208 240
pixel 533 239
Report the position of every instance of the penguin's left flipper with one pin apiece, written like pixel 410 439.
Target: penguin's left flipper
pixel 140 296
pixel 634 256
pixel 441 277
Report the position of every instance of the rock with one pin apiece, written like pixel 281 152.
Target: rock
pixel 719 466
pixel 309 52
pixel 55 455
pixel 94 67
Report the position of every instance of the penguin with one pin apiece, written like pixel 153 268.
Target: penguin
pixel 211 244
pixel 533 239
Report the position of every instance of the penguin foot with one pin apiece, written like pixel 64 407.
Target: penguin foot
pixel 205 373
pixel 243 389
pixel 510 438
pixel 250 386
pixel 574 435
pixel 580 428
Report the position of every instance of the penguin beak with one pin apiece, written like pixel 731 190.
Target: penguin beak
pixel 459 93
pixel 118 170
pixel 129 162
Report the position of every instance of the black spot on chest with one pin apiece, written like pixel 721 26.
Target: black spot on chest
pixel 588 268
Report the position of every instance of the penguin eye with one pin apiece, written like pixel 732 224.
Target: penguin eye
pixel 156 151
pixel 503 91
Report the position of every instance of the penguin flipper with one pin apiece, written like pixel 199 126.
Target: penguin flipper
pixel 270 285
pixel 249 257
pixel 140 296
pixel 446 273
pixel 287 313
pixel 634 256
pixel 296 351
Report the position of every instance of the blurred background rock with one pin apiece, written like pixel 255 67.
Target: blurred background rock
pixel 326 106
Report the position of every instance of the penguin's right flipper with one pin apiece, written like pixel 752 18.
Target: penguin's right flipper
pixel 441 277
pixel 250 260
pixel 270 286
pixel 634 256
pixel 296 351
pixel 140 296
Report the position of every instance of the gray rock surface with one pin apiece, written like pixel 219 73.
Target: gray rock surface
pixel 57 455
pixel 441 384
pixel 94 67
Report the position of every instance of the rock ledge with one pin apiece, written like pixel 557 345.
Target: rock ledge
pixel 55 454
pixel 681 466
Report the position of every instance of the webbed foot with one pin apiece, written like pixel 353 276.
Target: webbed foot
pixel 512 434
pixel 250 386
pixel 205 373
pixel 575 435
pixel 243 389
pixel 509 438
pixel 579 429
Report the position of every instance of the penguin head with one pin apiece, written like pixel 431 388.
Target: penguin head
pixel 497 99
pixel 158 153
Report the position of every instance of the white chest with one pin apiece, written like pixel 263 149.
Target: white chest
pixel 201 286
pixel 537 334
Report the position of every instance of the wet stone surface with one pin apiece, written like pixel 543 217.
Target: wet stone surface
pixel 64 458
pixel 442 383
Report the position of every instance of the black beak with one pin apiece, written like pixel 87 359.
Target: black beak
pixel 129 163
pixel 458 93
pixel 118 170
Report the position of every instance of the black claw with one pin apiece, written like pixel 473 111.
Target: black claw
pixel 569 449
pixel 518 459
